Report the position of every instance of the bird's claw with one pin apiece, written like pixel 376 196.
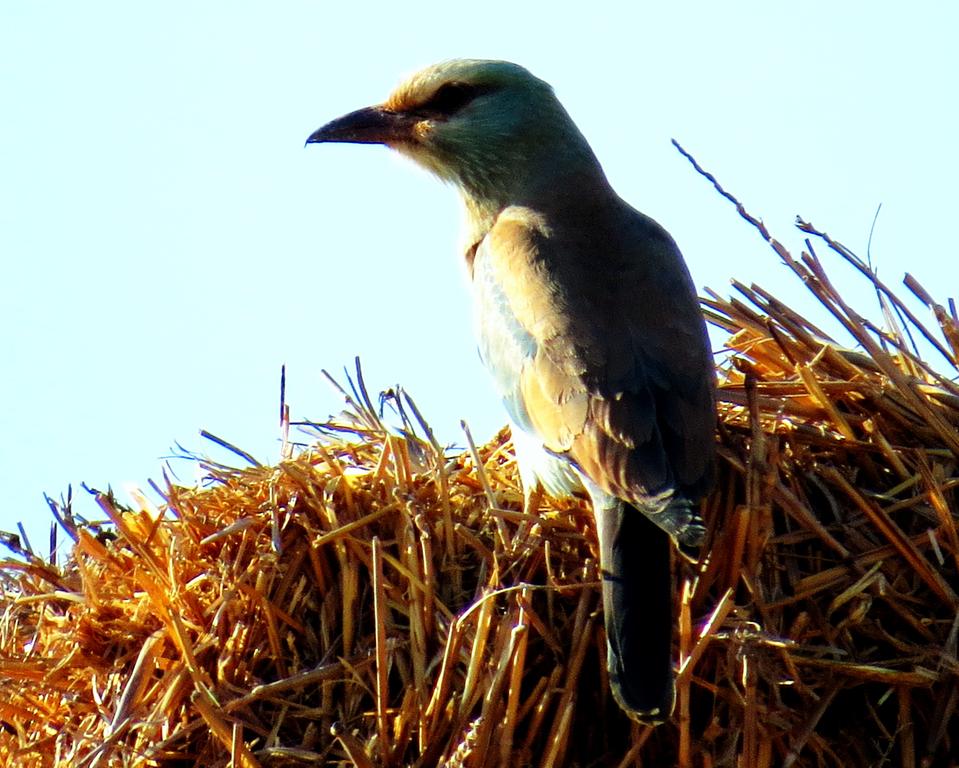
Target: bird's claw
pixel 683 524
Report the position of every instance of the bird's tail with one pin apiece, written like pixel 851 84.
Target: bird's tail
pixel 638 607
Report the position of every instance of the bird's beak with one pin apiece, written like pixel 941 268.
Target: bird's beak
pixel 370 125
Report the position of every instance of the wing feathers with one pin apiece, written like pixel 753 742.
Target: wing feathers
pixel 611 370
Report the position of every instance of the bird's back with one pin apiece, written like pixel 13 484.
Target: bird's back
pixel 588 319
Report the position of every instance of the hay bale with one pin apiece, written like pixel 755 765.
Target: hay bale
pixel 373 601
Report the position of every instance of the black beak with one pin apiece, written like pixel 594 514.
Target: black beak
pixel 370 125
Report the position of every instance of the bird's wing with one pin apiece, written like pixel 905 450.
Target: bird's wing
pixel 595 340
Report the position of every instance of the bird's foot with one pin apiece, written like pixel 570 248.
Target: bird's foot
pixel 682 523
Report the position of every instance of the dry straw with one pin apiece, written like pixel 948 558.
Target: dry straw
pixel 374 600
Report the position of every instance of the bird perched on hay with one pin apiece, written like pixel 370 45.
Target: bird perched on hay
pixel 587 319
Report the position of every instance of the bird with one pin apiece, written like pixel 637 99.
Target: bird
pixel 587 319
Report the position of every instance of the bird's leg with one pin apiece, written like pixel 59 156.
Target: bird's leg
pixel 676 516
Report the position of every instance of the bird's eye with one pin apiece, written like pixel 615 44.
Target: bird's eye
pixel 451 98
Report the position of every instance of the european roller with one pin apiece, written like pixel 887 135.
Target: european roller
pixel 587 320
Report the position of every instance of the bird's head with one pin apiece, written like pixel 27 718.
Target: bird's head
pixel 490 127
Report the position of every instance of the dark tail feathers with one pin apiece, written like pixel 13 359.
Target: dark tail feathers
pixel 638 609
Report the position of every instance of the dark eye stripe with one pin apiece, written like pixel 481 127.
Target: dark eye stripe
pixel 450 98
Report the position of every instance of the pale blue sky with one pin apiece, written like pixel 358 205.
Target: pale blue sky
pixel 167 242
